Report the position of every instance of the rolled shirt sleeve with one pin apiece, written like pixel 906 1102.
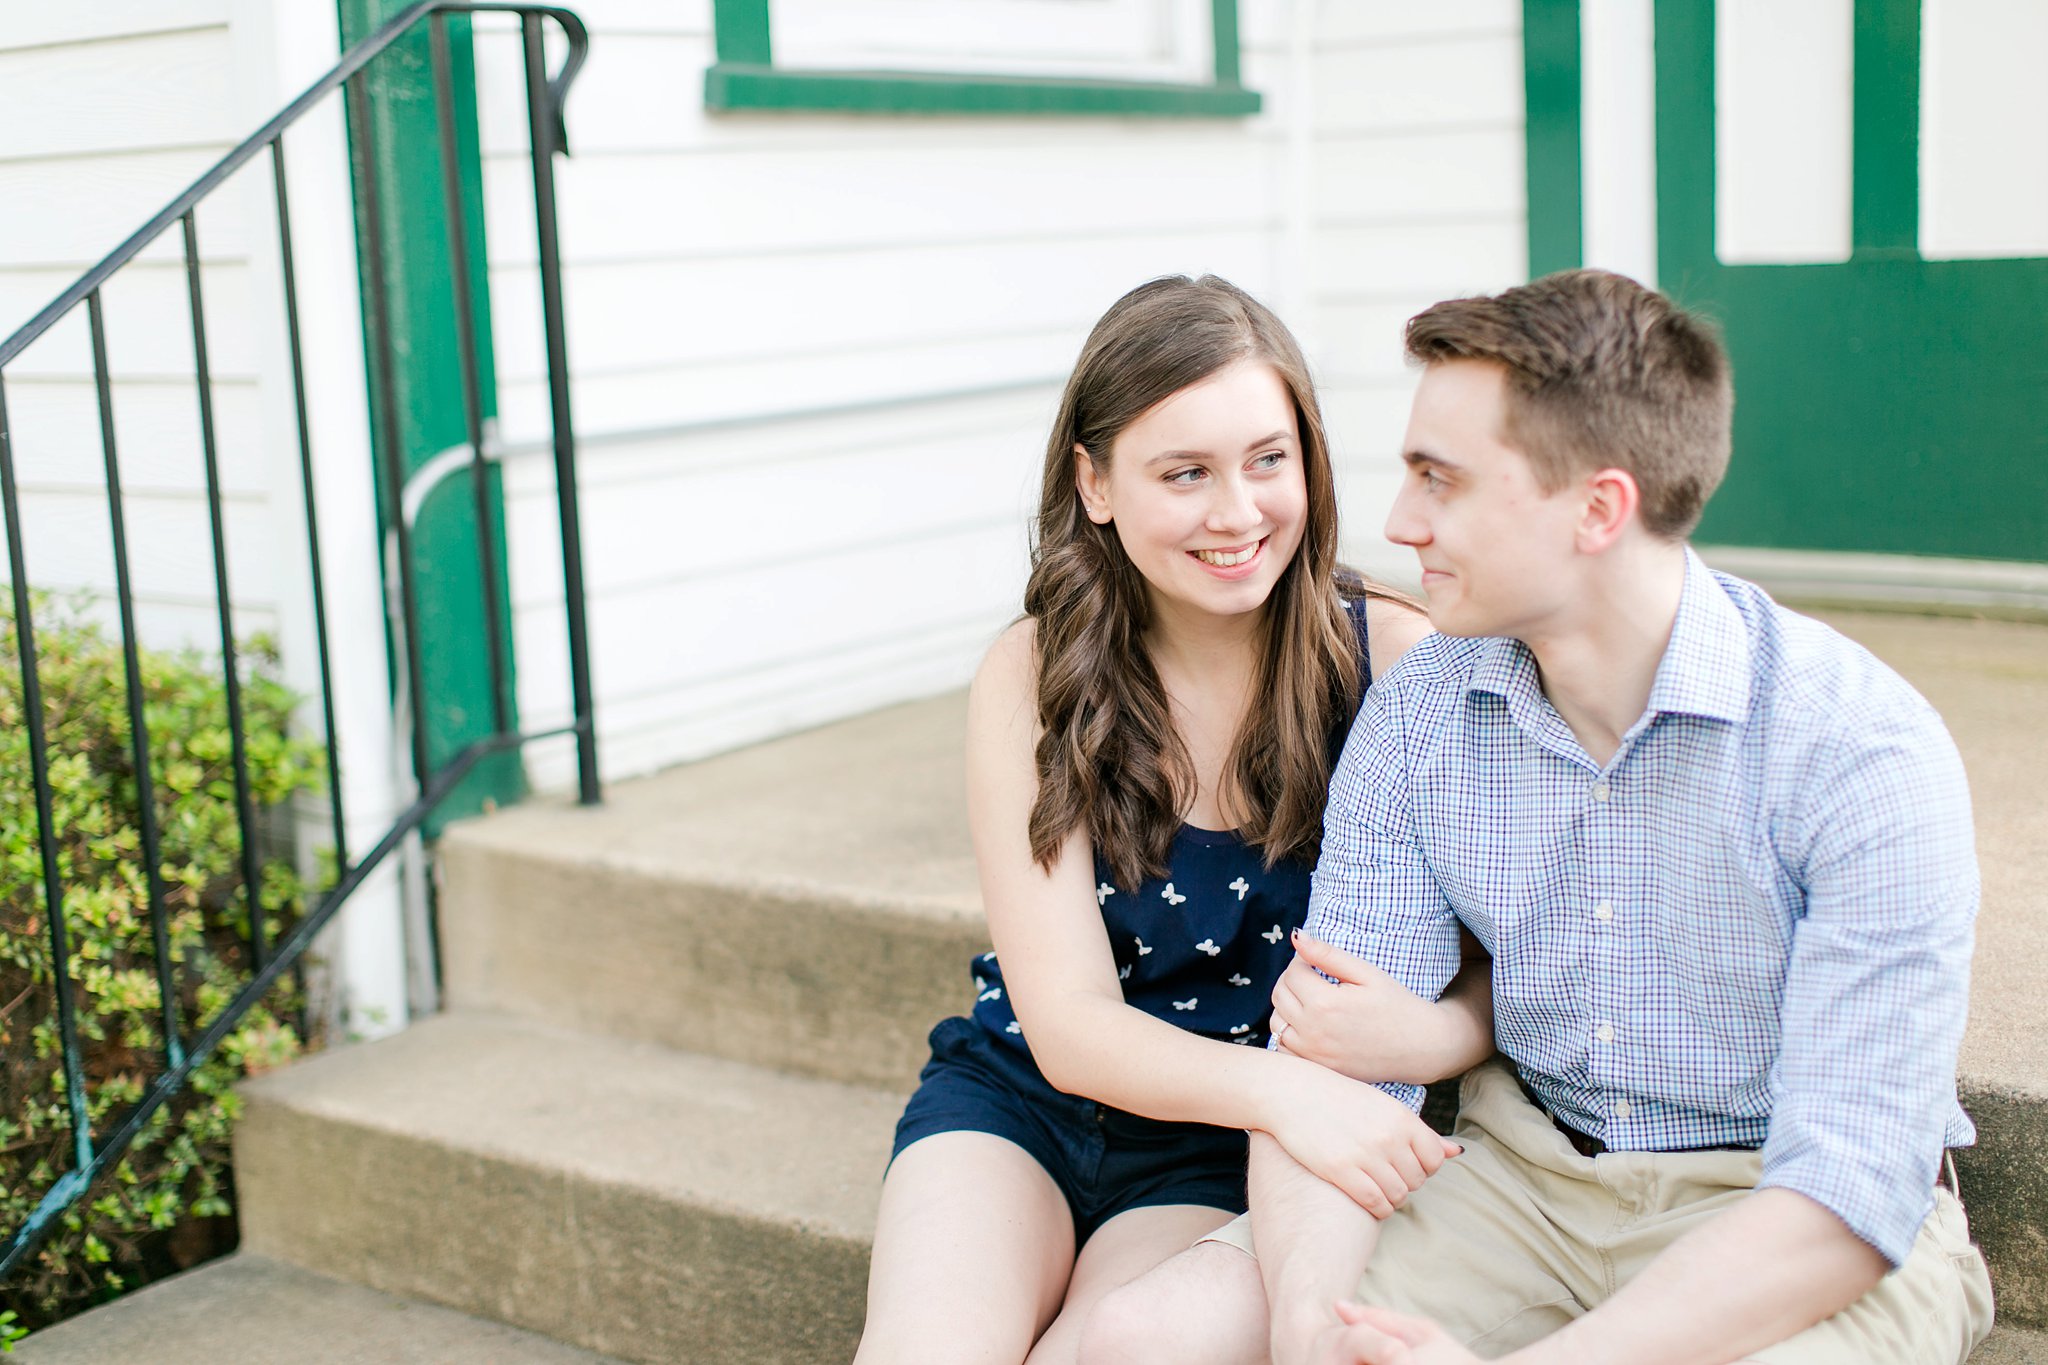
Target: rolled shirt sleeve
pixel 1877 985
pixel 1373 894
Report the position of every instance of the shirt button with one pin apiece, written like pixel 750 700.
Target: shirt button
pixel 1605 1033
pixel 1599 791
pixel 1603 911
pixel 1621 1109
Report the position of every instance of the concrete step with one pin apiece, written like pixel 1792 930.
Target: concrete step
pixel 1989 680
pixel 250 1310
pixel 808 904
pixel 2012 1346
pixel 622 1197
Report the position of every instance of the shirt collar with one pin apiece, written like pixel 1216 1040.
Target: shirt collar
pixel 1704 671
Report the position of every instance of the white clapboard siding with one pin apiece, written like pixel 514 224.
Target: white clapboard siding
pixel 761 201
pixel 55 424
pixel 149 322
pixel 763 571
pixel 119 94
pixel 43 25
pixel 1427 175
pixel 1341 26
pixel 726 273
pixel 1419 195
pixel 114 108
pixel 69 212
pixel 1459 80
pixel 65 532
pixel 635 317
pixel 744 390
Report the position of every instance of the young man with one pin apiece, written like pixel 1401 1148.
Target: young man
pixel 1723 861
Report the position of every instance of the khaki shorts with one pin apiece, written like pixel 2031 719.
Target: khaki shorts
pixel 1521 1234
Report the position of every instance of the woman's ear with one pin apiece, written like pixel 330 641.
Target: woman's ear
pixel 1092 486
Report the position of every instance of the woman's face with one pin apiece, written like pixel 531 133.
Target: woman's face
pixel 1206 491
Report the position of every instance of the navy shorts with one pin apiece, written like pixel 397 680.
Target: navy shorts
pixel 1105 1161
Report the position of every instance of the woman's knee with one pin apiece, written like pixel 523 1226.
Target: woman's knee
pixel 1201 1308
pixel 1123 1327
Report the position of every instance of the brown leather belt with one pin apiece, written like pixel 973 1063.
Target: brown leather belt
pixel 1588 1146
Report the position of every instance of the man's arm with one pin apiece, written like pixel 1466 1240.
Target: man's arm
pixel 1312 1242
pixel 1767 1269
pixel 1876 996
pixel 1373 896
pixel 1874 1004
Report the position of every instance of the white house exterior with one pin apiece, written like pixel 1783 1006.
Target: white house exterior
pixel 814 350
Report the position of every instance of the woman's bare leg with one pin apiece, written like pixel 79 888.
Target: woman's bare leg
pixel 1120 1251
pixel 1206 1306
pixel 974 1245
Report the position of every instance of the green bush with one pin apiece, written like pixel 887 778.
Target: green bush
pixel 154 1209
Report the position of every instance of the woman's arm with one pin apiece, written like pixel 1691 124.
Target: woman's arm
pixel 1344 1013
pixel 1062 980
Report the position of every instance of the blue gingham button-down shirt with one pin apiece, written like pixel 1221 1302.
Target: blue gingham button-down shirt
pixel 1751 926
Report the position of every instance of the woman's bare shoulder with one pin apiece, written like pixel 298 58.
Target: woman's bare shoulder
pixel 1392 629
pixel 1008 672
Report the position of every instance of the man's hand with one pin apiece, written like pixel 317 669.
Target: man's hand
pixel 1365 1023
pixel 1361 1140
pixel 1374 1336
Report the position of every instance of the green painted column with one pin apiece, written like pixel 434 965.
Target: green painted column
pixel 426 394
pixel 1550 67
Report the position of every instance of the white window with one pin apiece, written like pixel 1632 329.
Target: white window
pixel 1143 40
pixel 1782 119
pixel 1983 128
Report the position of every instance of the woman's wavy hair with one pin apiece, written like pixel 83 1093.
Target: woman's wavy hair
pixel 1109 758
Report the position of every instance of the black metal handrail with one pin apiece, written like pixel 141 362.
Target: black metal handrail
pixel 544 99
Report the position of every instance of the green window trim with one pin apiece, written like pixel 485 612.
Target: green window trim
pixel 1887 404
pixel 745 77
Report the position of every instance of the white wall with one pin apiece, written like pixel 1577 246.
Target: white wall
pixel 1418 195
pixel 814 355
pixel 107 112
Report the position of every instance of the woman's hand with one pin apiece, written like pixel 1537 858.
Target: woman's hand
pixel 1370 1027
pixel 1359 1139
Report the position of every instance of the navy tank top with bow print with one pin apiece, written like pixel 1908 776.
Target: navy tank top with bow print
pixel 1202 946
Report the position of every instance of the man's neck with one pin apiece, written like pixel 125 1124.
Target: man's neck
pixel 1599 663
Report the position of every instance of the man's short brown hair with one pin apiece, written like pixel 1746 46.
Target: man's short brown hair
pixel 1601 374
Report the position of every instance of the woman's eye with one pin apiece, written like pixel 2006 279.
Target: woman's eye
pixel 1186 476
pixel 1269 460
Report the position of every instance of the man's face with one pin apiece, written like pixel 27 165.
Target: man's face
pixel 1497 552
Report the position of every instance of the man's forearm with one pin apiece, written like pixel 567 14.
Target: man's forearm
pixel 1312 1242
pixel 1766 1269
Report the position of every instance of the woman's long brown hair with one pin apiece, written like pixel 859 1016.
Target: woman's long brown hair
pixel 1109 758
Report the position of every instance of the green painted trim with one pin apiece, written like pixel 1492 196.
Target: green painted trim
pixel 1552 86
pixel 1886 405
pixel 431 420
pixel 894 92
pixel 1885 163
pixel 741 30
pixel 1223 23
pixel 745 77
pixel 1686 140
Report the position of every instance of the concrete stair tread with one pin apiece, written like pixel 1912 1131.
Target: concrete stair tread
pixel 1989 681
pixel 866 817
pixel 251 1310
pixel 868 811
pixel 2012 1346
pixel 671 1126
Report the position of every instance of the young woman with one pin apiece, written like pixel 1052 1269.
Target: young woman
pixel 1147 757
